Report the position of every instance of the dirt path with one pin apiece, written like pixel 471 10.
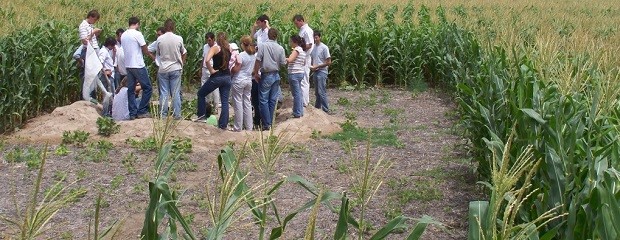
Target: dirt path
pixel 429 174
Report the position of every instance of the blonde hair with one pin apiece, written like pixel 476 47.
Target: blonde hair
pixel 248 45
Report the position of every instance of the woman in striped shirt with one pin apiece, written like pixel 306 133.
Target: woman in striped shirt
pixel 296 62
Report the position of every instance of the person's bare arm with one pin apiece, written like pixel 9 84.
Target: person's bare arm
pixel 327 62
pixel 293 56
pixel 214 50
pixel 145 51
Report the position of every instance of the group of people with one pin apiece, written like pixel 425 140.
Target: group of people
pixel 248 74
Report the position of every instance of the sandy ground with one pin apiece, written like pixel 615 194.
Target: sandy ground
pixel 82 115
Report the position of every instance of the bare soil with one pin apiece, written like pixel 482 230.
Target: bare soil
pixel 428 162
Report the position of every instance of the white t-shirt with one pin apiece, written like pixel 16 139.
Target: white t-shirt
pixel 205 52
pixel 132 41
pixel 105 56
pixel 170 50
pixel 120 109
pixel 85 29
pixel 261 35
pixel 120 60
pixel 298 65
pixel 308 35
pixel 247 66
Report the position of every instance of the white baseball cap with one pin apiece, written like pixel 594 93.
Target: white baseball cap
pixel 234 46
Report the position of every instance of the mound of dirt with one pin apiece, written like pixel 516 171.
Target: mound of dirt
pixel 82 115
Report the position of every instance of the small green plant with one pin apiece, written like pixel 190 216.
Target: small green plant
pixel 106 126
pixel 116 182
pixel 81 174
pixel 60 176
pixel 129 162
pixel 94 152
pixel 104 145
pixel 62 150
pixel 147 144
pixel 182 145
pixel 316 134
pixel 76 137
pixel 343 102
pixel 393 114
pixel 32 156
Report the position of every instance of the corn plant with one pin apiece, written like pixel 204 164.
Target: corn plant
pixel 33 221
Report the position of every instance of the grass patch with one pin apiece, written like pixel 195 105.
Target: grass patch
pixel 384 136
pixel 405 190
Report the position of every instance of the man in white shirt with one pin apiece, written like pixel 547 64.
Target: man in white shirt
pixel 172 55
pixel 134 47
pixel 153 46
pixel 107 56
pixel 307 34
pixel 213 97
pixel 260 29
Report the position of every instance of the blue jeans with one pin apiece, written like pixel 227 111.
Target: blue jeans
pixel 170 85
pixel 142 76
pixel 223 83
pixel 294 80
pixel 320 91
pixel 268 96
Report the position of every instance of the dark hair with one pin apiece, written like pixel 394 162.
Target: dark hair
pixel 299 41
pixel 133 21
pixel 222 41
pixel 273 34
pixel 263 18
pixel 210 35
pixel 298 17
pixel 93 13
pixel 169 25
pixel 317 33
pixel 120 31
pixel 161 29
pixel 109 42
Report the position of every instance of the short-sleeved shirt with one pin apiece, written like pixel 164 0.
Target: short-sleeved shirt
pixel 205 52
pixel 132 41
pixel 261 35
pixel 271 56
pixel 120 109
pixel 120 60
pixel 247 66
pixel 299 64
pixel 320 54
pixel 86 29
pixel 105 56
pixel 307 34
pixel 170 49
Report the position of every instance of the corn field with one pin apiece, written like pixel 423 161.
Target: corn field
pixel 556 91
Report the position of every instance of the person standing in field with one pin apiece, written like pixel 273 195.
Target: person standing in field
pixel 153 46
pixel 296 70
pixel 107 56
pixel 242 85
pixel 134 47
pixel 119 62
pixel 259 31
pixel 172 55
pixel 213 97
pixel 88 35
pixel 321 59
pixel 307 34
pixel 219 79
pixel 269 59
